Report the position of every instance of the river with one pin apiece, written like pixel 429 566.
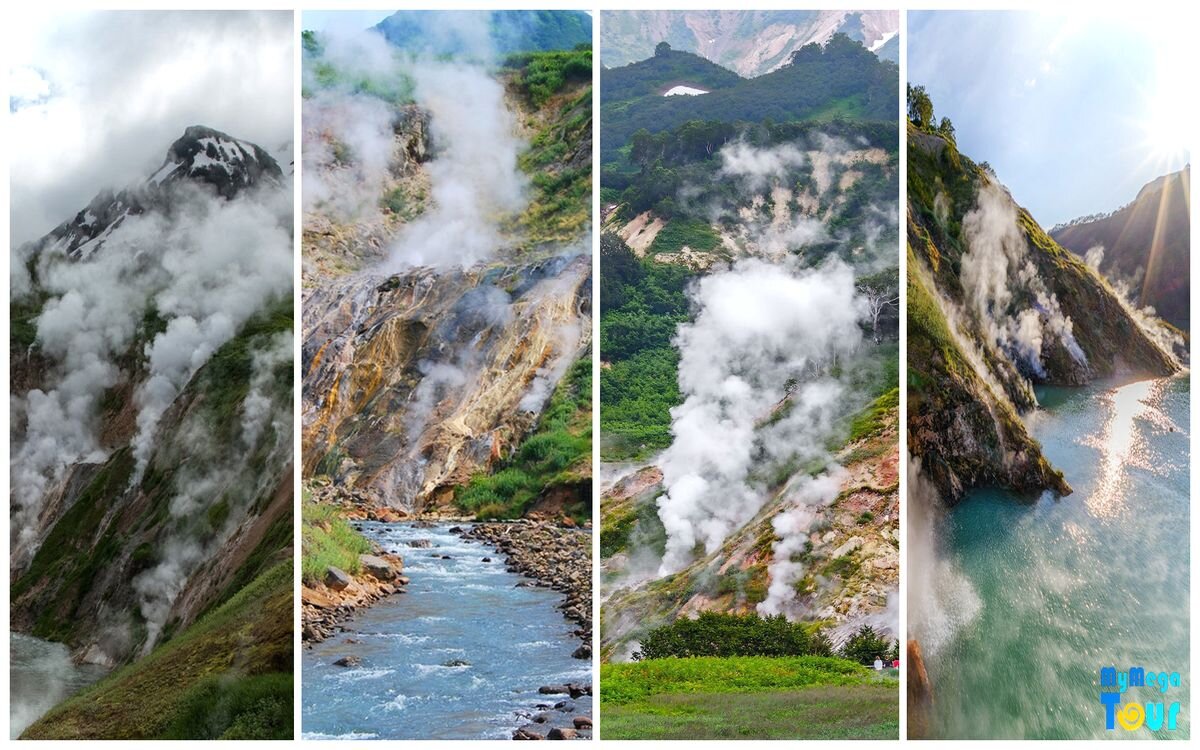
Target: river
pixel 1051 591
pixel 460 655
pixel 42 675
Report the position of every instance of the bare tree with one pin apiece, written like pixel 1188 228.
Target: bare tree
pixel 878 299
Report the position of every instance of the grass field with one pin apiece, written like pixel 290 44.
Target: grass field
pixel 747 698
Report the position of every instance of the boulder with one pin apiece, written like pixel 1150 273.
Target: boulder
pixel 336 578
pixel 562 734
pixel 582 722
pixel 349 661
pixel 524 733
pixel 377 567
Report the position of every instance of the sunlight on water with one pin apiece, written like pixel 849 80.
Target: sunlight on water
pixel 1069 585
pixel 1122 446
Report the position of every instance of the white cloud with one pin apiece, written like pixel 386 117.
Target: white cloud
pixel 112 116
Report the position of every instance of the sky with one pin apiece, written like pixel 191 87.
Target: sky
pixel 96 99
pixel 1075 115
pixel 340 20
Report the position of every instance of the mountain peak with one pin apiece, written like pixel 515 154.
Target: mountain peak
pixel 210 156
pixel 201 154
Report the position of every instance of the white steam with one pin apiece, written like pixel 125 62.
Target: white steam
pixel 941 599
pixel 805 496
pixel 475 180
pixel 759 327
pixel 758 167
pixel 1015 309
pixel 348 149
pixel 224 260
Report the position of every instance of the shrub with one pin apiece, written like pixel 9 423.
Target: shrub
pixel 720 634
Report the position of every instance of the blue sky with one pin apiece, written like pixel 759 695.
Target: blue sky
pixel 323 20
pixel 1075 115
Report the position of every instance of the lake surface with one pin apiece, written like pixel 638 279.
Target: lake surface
pixel 459 656
pixel 1057 588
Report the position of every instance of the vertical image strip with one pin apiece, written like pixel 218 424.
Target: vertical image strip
pixel 447 375
pixel 1048 388
pixel 749 375
pixel 151 351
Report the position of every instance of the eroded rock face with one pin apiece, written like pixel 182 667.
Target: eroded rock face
pixel 414 382
pixel 920 693
pixel 164 519
pixel 969 384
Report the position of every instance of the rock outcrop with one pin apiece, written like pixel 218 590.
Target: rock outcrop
pixel 978 343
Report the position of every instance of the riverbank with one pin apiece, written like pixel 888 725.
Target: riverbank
pixel 561 559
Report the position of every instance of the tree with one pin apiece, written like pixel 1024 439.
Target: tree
pixel 878 297
pixel 865 646
pixel 945 129
pixel 662 49
pixel 920 107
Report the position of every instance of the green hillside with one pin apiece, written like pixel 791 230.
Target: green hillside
pixel 227 677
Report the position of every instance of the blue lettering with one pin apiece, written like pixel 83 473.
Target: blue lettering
pixel 1123 681
pixel 1137 677
pixel 1174 679
pixel 1111 701
pixel 1108 677
pixel 1154 716
pixel 1163 681
pixel 1172 714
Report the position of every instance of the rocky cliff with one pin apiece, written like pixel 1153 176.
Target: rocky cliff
pixel 995 306
pixel 420 379
pixel 1144 245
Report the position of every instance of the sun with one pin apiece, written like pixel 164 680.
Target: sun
pixel 1168 125
pixel 1169 114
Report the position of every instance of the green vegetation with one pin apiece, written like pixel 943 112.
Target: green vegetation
pixel 654 169
pixel 694 233
pixel 236 660
pixel 865 646
pixel 327 540
pixel 247 708
pixel 874 418
pixel 541 75
pixel 823 712
pixel 556 456
pixel 720 634
pixel 558 160
pixel 651 77
pixel 225 379
pixel 642 303
pixel 920 114
pixel 23 315
pixel 320 73
pixel 842 78
pixel 79 547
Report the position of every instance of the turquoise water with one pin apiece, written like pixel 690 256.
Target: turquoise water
pixel 1065 586
pixel 461 655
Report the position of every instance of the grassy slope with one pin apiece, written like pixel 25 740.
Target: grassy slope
pixel 557 455
pixel 805 697
pixel 554 93
pixel 228 676
pixel 328 540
